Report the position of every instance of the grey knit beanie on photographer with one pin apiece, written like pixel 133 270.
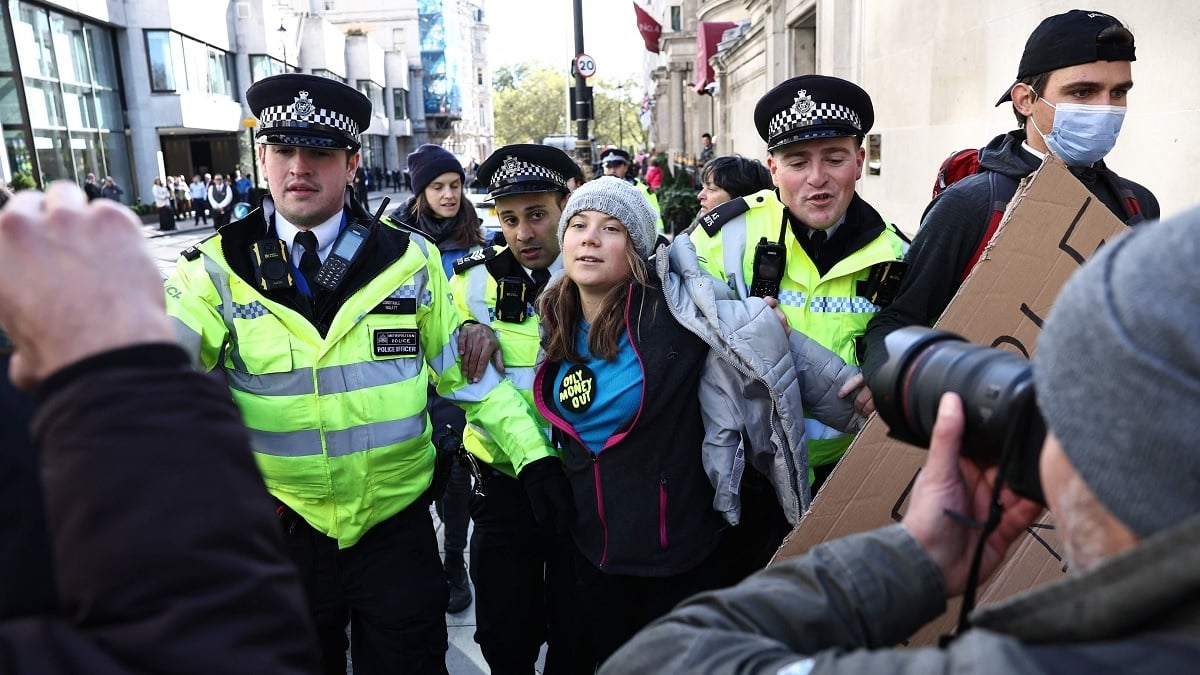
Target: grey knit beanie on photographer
pixel 621 200
pixel 1117 374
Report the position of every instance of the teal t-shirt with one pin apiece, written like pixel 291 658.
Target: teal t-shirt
pixel 598 397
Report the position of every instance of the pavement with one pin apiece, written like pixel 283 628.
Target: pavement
pixel 463 657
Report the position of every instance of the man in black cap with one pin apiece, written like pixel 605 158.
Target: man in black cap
pixel 1071 89
pixel 513 561
pixel 326 325
pixel 812 244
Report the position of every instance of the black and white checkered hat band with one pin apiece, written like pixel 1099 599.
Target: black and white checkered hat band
pixel 789 121
pixel 285 116
pixel 515 170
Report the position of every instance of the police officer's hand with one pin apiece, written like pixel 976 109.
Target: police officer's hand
pixel 950 494
pixel 549 495
pixel 773 303
pixel 864 402
pixel 76 280
pixel 477 344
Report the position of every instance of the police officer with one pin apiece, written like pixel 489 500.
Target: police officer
pixel 813 244
pixel 323 323
pixel 616 163
pixel 512 564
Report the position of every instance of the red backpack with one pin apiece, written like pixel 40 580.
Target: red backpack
pixel 963 163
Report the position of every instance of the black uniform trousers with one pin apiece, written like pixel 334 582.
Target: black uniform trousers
pixel 390 587
pixel 522 586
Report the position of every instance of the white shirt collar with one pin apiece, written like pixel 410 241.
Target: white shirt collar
pixel 326 233
pixel 1040 155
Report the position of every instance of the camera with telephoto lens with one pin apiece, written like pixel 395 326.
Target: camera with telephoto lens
pixel 1002 423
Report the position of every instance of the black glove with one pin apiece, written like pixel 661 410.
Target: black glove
pixel 549 495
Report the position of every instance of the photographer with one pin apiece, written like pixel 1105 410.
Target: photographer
pixel 1117 376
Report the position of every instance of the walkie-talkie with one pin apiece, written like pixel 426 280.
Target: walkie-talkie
pixel 770 260
pixel 345 249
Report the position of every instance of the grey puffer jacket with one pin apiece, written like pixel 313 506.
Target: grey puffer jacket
pixel 838 609
pixel 758 383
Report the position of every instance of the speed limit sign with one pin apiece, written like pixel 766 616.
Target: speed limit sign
pixel 585 65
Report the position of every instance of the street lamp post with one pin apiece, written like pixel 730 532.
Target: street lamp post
pixel 282 30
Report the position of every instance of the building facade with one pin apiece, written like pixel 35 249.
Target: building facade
pixel 135 89
pixel 934 71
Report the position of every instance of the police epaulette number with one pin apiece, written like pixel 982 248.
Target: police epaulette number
pixel 192 252
pixel 714 220
pixel 477 258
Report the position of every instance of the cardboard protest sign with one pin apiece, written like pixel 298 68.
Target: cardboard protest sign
pixel 1052 225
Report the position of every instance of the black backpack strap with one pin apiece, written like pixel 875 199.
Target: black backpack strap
pixel 1001 189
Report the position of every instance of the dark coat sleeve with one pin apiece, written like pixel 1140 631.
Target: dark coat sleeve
pixel 948 237
pixel 169 555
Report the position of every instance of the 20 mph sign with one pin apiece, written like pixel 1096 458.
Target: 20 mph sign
pixel 585 65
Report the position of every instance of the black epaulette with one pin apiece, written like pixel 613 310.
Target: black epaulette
pixel 192 252
pixel 714 220
pixel 477 258
pixel 405 227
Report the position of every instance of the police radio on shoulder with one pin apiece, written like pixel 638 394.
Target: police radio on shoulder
pixel 345 249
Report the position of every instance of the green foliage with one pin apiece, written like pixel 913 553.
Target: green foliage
pixel 530 103
pixel 144 209
pixel 677 201
pixel 22 181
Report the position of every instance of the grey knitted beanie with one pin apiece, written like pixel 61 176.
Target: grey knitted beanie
pixel 619 199
pixel 1117 374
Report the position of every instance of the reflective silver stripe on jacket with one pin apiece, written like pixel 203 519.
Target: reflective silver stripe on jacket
pixel 307 442
pixel 733 249
pixel 522 378
pixel 330 379
pixel 220 281
pixel 477 280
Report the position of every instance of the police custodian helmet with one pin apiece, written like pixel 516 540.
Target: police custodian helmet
pixel 308 110
pixel 525 167
pixel 813 106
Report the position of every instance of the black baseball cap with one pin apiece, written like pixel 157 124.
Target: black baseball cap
pixel 526 167
pixel 813 106
pixel 308 110
pixel 1066 40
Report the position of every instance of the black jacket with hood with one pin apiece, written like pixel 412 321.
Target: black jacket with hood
pixel 957 220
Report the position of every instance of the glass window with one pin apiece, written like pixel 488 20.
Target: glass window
pixel 108 110
pixel 70 49
pixel 100 50
pixel 32 31
pixel 329 75
pixel 400 103
pixel 53 154
pixel 262 66
pixel 78 106
pixel 10 102
pixel 158 50
pixel 45 106
pixel 676 18
pixel 5 52
pixel 19 160
pixel 373 92
pixel 218 73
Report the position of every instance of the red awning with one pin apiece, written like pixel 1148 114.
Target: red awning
pixel 707 37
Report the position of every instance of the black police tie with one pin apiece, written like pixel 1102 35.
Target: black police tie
pixel 540 277
pixel 310 262
pixel 816 242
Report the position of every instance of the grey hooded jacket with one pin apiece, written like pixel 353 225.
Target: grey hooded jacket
pixel 757 385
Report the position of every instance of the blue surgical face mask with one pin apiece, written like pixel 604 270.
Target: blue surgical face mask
pixel 1082 134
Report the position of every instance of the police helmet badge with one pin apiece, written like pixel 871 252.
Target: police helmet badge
pixel 803 105
pixel 510 167
pixel 303 106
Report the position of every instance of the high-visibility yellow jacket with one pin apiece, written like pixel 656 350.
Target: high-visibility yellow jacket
pixel 335 402
pixel 828 308
pixel 474 287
